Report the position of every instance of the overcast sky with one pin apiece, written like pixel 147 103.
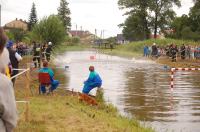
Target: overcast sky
pixel 90 14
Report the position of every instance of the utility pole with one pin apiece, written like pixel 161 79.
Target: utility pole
pixel 103 33
pixel 76 30
pixel 95 33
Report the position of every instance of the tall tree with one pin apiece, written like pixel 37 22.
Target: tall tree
pixel 137 22
pixel 64 13
pixel 155 14
pixel 178 24
pixel 133 28
pixel 163 13
pixel 33 17
pixel 194 16
pixel 49 29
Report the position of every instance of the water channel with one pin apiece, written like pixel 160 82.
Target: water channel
pixel 140 89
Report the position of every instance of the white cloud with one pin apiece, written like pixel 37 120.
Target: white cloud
pixel 186 5
pixel 90 14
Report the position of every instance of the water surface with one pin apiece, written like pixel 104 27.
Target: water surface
pixel 140 89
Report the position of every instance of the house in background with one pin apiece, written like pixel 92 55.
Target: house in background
pixel 16 24
pixel 85 36
pixel 79 33
pixel 121 39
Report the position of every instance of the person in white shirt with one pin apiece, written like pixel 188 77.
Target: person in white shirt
pixel 8 110
pixel 15 58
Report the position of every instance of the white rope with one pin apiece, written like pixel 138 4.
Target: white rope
pixel 20 73
pixel 14 69
pixel 22 101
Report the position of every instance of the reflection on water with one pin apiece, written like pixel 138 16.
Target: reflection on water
pixel 140 88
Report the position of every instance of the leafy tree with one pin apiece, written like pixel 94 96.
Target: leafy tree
pixel 10 35
pixel 188 27
pixel 33 17
pixel 133 28
pixel 178 25
pixel 137 18
pixel 148 14
pixel 49 29
pixel 17 34
pixel 111 40
pixel 64 13
pixel 163 13
pixel 75 40
pixel 195 16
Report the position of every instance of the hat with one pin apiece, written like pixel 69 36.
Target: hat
pixel 9 44
pixel 154 43
pixel 50 43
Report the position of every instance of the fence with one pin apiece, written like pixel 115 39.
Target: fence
pixel 27 89
pixel 173 70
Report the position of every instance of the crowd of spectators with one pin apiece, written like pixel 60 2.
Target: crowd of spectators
pixel 173 51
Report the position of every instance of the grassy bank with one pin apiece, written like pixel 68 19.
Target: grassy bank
pixel 62 112
pixel 67 114
pixel 136 48
pixel 76 47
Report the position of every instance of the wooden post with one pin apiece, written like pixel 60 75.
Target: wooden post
pixel 27 93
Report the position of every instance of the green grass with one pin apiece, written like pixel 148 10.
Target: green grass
pixel 120 51
pixel 66 114
pixel 64 48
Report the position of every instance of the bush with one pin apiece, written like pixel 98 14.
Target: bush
pixel 75 40
pixel 16 34
pixel 49 29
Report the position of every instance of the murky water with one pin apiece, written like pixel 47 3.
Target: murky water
pixel 140 89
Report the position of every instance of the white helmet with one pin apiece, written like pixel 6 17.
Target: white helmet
pixel 50 43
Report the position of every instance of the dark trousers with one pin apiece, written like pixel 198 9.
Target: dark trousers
pixel 36 61
pixel 48 56
pixel 14 72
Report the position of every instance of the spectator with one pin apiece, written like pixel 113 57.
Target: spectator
pixel 54 83
pixel 8 111
pixel 48 51
pixel 182 52
pixel 14 59
pixel 173 52
pixel 36 54
pixel 146 50
pixel 154 50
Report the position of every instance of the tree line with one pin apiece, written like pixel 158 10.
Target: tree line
pixel 154 16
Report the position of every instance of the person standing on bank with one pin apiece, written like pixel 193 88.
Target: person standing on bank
pixel 48 51
pixel 36 54
pixel 8 110
pixel 93 81
pixel 15 58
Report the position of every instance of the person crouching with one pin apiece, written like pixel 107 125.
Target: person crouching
pixel 54 83
pixel 93 81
